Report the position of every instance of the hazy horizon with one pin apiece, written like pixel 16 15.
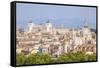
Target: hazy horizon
pixel 70 16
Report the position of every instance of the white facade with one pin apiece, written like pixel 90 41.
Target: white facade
pixel 30 27
pixel 49 27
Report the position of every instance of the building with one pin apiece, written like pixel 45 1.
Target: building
pixel 45 38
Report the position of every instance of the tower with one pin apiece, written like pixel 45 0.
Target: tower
pixel 85 23
pixel 48 26
pixel 85 29
pixel 30 27
pixel 86 32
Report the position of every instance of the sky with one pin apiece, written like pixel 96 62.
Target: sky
pixel 69 16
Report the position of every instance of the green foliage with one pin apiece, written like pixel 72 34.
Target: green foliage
pixel 20 59
pixel 39 59
pixel 91 57
pixel 76 57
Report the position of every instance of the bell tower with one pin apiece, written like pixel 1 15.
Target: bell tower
pixel 85 23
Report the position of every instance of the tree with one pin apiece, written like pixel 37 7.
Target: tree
pixel 20 59
pixel 38 58
pixel 76 57
pixel 63 58
pixel 90 57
